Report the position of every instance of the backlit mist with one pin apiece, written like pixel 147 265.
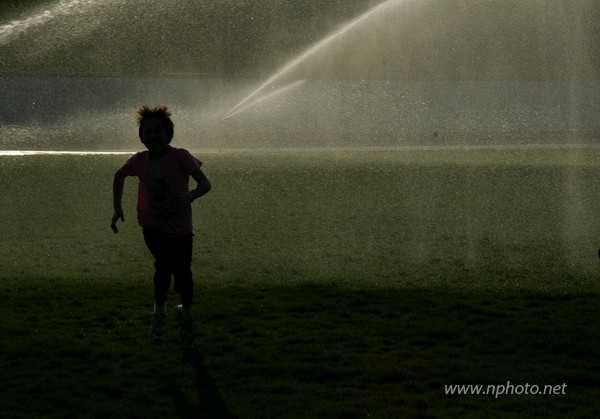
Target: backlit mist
pixel 287 74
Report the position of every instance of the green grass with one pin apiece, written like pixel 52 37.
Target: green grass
pixel 329 284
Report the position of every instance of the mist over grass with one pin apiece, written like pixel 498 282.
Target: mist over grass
pixel 329 284
pixel 457 218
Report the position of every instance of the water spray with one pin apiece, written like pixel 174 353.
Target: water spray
pixel 277 92
pixel 17 27
pixel 286 69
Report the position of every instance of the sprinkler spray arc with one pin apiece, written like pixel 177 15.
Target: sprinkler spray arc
pixel 319 46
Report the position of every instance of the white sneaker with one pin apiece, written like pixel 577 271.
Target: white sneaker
pixel 158 327
pixel 186 327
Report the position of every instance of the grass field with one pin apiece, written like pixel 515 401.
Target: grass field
pixel 332 284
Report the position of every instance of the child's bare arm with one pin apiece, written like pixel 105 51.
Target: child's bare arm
pixel 118 187
pixel 203 186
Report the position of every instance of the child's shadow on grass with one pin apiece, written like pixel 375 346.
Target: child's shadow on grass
pixel 210 403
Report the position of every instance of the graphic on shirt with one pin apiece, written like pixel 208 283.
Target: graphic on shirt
pixel 158 189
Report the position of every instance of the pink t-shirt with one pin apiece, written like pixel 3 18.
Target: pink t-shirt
pixel 159 180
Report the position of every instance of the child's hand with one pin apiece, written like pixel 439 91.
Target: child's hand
pixel 116 216
pixel 177 201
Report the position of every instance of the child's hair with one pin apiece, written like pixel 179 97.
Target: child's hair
pixel 160 112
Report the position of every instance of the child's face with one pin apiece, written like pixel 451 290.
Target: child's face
pixel 154 135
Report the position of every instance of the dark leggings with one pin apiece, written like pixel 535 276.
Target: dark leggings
pixel 172 257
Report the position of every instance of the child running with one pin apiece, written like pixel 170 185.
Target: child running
pixel 164 213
